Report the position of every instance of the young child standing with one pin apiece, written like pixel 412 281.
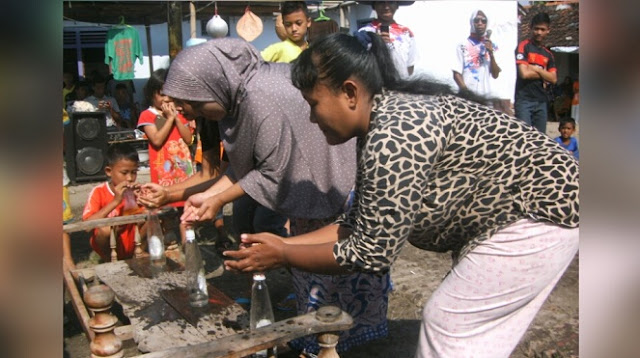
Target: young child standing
pixel 128 110
pixel 107 200
pixel 566 128
pixel 296 20
pixel 170 136
pixel 168 133
pixel 102 102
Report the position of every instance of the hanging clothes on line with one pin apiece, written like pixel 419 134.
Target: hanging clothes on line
pixel 121 50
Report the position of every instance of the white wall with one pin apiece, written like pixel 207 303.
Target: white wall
pixel 439 25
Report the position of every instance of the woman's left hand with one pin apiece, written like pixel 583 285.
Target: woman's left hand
pixel 258 252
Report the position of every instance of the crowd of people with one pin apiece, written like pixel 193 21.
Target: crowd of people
pixel 338 156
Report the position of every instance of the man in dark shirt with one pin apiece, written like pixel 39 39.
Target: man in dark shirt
pixel 536 69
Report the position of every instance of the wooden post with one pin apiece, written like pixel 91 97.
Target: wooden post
pixel 174 20
pixel 112 243
pixel 328 340
pixel 138 250
pixel 147 28
pixel 77 302
pixel 105 343
pixel 192 12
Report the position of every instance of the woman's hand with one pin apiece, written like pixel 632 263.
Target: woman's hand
pixel 153 195
pixel 192 205
pixel 201 207
pixel 258 252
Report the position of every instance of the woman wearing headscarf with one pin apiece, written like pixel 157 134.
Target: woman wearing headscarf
pixel 280 159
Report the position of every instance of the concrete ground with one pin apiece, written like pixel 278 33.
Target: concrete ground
pixel 416 274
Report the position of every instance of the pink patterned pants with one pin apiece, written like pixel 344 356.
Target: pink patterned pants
pixel 485 304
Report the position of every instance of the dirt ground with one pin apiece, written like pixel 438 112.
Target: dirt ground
pixel 416 274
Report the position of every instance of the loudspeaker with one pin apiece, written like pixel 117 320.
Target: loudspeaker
pixel 85 146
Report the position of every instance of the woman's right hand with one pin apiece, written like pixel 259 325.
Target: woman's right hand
pixel 194 204
pixel 257 252
pixel 195 201
pixel 153 195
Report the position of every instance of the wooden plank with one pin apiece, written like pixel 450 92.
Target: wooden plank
pixel 157 326
pixel 125 333
pixel 163 213
pixel 174 23
pixel 78 303
pixel 88 273
pixel 92 224
pixel 245 343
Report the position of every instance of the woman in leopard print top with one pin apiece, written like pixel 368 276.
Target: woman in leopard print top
pixel 446 174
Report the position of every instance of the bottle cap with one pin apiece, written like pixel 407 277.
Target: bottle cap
pixel 259 277
pixel 190 234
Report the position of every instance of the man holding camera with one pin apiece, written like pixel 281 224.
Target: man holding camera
pixel 399 38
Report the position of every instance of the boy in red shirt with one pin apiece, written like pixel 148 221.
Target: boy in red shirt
pixel 536 71
pixel 108 200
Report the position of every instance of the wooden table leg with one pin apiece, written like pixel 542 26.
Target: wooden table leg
pixel 99 299
pixel 112 243
pixel 138 250
pixel 328 340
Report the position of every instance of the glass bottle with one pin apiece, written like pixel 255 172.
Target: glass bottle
pixel 261 310
pixel 196 281
pixel 155 240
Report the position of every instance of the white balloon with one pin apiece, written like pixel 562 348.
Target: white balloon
pixel 217 27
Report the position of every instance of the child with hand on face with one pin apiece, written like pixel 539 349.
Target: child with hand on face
pixel 115 198
pixel 169 135
pixel 566 128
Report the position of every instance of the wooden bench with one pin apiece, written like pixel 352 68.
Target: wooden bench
pixel 194 343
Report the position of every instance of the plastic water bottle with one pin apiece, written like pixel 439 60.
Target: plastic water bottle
pixel 196 281
pixel 155 240
pixel 261 311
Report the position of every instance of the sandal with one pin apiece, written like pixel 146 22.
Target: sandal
pixel 288 304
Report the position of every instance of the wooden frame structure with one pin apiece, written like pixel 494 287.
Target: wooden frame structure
pixel 326 323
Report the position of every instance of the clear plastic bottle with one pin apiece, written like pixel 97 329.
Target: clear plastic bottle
pixel 261 310
pixel 155 240
pixel 196 281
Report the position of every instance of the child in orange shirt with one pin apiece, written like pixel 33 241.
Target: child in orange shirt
pixel 108 200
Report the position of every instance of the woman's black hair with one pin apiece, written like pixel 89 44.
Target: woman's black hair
pixel 154 84
pixel 334 58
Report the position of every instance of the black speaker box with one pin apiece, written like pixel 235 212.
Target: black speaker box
pixel 85 146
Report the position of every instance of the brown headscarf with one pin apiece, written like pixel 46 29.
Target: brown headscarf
pixel 278 156
pixel 216 70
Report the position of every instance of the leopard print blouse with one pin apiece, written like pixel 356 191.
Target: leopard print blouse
pixel 445 173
